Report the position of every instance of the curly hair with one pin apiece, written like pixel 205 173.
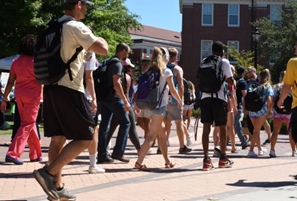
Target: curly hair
pixel 27 44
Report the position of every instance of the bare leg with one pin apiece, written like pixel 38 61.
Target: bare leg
pixel 216 140
pixel 180 132
pixel 277 123
pixel 189 118
pixel 162 143
pixel 223 139
pixel 168 126
pixel 205 138
pixel 267 129
pixel 257 123
pixel 230 130
pixel 93 146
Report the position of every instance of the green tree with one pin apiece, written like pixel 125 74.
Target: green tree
pixel 110 19
pixel 278 37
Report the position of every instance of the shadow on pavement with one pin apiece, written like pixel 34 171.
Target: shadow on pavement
pixel 263 184
pixel 12 175
pixel 152 170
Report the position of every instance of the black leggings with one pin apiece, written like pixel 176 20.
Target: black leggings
pixel 132 132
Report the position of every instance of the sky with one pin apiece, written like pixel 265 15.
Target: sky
pixel 162 14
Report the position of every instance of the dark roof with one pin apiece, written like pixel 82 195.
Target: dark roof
pixel 154 32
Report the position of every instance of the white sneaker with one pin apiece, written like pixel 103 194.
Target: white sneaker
pixel 263 149
pixel 294 153
pixel 150 150
pixel 95 170
pixel 272 154
pixel 261 153
pixel 252 154
pixel 189 139
pixel 108 146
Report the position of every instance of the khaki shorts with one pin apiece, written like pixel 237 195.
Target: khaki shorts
pixel 174 112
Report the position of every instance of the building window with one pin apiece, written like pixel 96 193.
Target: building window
pixel 233 16
pixel 205 48
pixel 148 52
pixel 207 14
pixel 275 11
pixel 234 44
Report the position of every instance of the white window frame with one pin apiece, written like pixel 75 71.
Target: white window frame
pixel 228 44
pixel 201 46
pixel 202 15
pixel 238 16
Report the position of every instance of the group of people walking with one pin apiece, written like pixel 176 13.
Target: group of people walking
pixel 70 108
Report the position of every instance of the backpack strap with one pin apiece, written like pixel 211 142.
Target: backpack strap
pixel 77 51
pixel 161 95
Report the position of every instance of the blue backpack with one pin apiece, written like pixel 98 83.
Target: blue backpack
pixel 148 93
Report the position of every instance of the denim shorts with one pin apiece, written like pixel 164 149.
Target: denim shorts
pixel 157 111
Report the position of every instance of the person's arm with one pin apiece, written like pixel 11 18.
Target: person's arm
pixel 99 47
pixel 9 85
pixel 173 91
pixel 90 86
pixel 178 72
pixel 1 91
pixel 119 90
pixel 269 106
pixel 285 92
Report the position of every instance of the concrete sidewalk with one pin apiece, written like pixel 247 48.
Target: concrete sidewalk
pixel 262 178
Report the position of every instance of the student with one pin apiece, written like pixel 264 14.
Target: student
pixel 214 109
pixel 188 108
pixel 72 117
pixel 278 119
pixel 258 118
pixel 157 126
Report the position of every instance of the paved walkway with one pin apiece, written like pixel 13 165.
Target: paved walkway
pixel 249 179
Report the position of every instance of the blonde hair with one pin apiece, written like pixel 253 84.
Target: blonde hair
pixel 172 52
pixel 191 86
pixel 252 68
pixel 157 60
pixel 265 78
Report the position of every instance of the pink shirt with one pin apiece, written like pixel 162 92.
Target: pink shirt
pixel 26 84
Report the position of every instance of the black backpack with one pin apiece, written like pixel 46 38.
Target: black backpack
pixel 188 95
pixel 254 98
pixel 49 67
pixel 287 103
pixel 100 76
pixel 210 74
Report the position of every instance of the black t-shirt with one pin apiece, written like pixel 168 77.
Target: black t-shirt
pixel 241 85
pixel 115 68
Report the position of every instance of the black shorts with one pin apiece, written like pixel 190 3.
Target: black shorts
pixel 294 124
pixel 67 113
pixel 214 110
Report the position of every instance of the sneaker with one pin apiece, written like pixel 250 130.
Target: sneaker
pixel 294 153
pixel 218 148
pixel 150 150
pixel 252 154
pixel 246 145
pixel 184 150
pixel 109 145
pixel 225 163
pixel 63 195
pixel 36 160
pixel 272 154
pixel 208 165
pixel 95 170
pixel 159 151
pixel 216 153
pixel 13 160
pixel 46 181
pixel 266 142
pixel 189 139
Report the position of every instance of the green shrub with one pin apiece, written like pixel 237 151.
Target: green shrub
pixel 283 128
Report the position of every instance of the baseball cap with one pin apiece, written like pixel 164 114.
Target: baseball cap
pixel 241 69
pixel 146 59
pixel 127 62
pixel 75 1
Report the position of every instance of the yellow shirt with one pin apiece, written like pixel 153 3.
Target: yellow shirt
pixel 291 77
pixel 74 35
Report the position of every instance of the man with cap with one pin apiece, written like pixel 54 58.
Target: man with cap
pixel 67 113
pixel 241 90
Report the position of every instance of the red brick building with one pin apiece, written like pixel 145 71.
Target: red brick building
pixel 146 39
pixel 228 21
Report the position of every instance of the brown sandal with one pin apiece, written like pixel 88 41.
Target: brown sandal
pixel 170 165
pixel 140 167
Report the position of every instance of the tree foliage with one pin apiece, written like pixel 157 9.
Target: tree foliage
pixel 278 37
pixel 110 19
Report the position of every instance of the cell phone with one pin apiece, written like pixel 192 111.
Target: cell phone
pixel 88 56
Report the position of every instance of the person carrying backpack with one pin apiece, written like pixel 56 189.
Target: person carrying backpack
pixel 259 117
pixel 281 116
pixel 211 81
pixel 116 103
pixel 66 111
pixel 157 126
pixel 189 103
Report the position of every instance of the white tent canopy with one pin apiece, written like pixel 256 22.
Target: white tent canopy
pixel 5 63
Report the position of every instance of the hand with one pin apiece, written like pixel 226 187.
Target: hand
pixel 269 114
pixel 94 106
pixel 137 111
pixel 127 107
pixel 180 104
pixel 3 106
pixel 280 104
pixel 235 111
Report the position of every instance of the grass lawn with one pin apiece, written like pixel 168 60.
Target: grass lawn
pixel 9 131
